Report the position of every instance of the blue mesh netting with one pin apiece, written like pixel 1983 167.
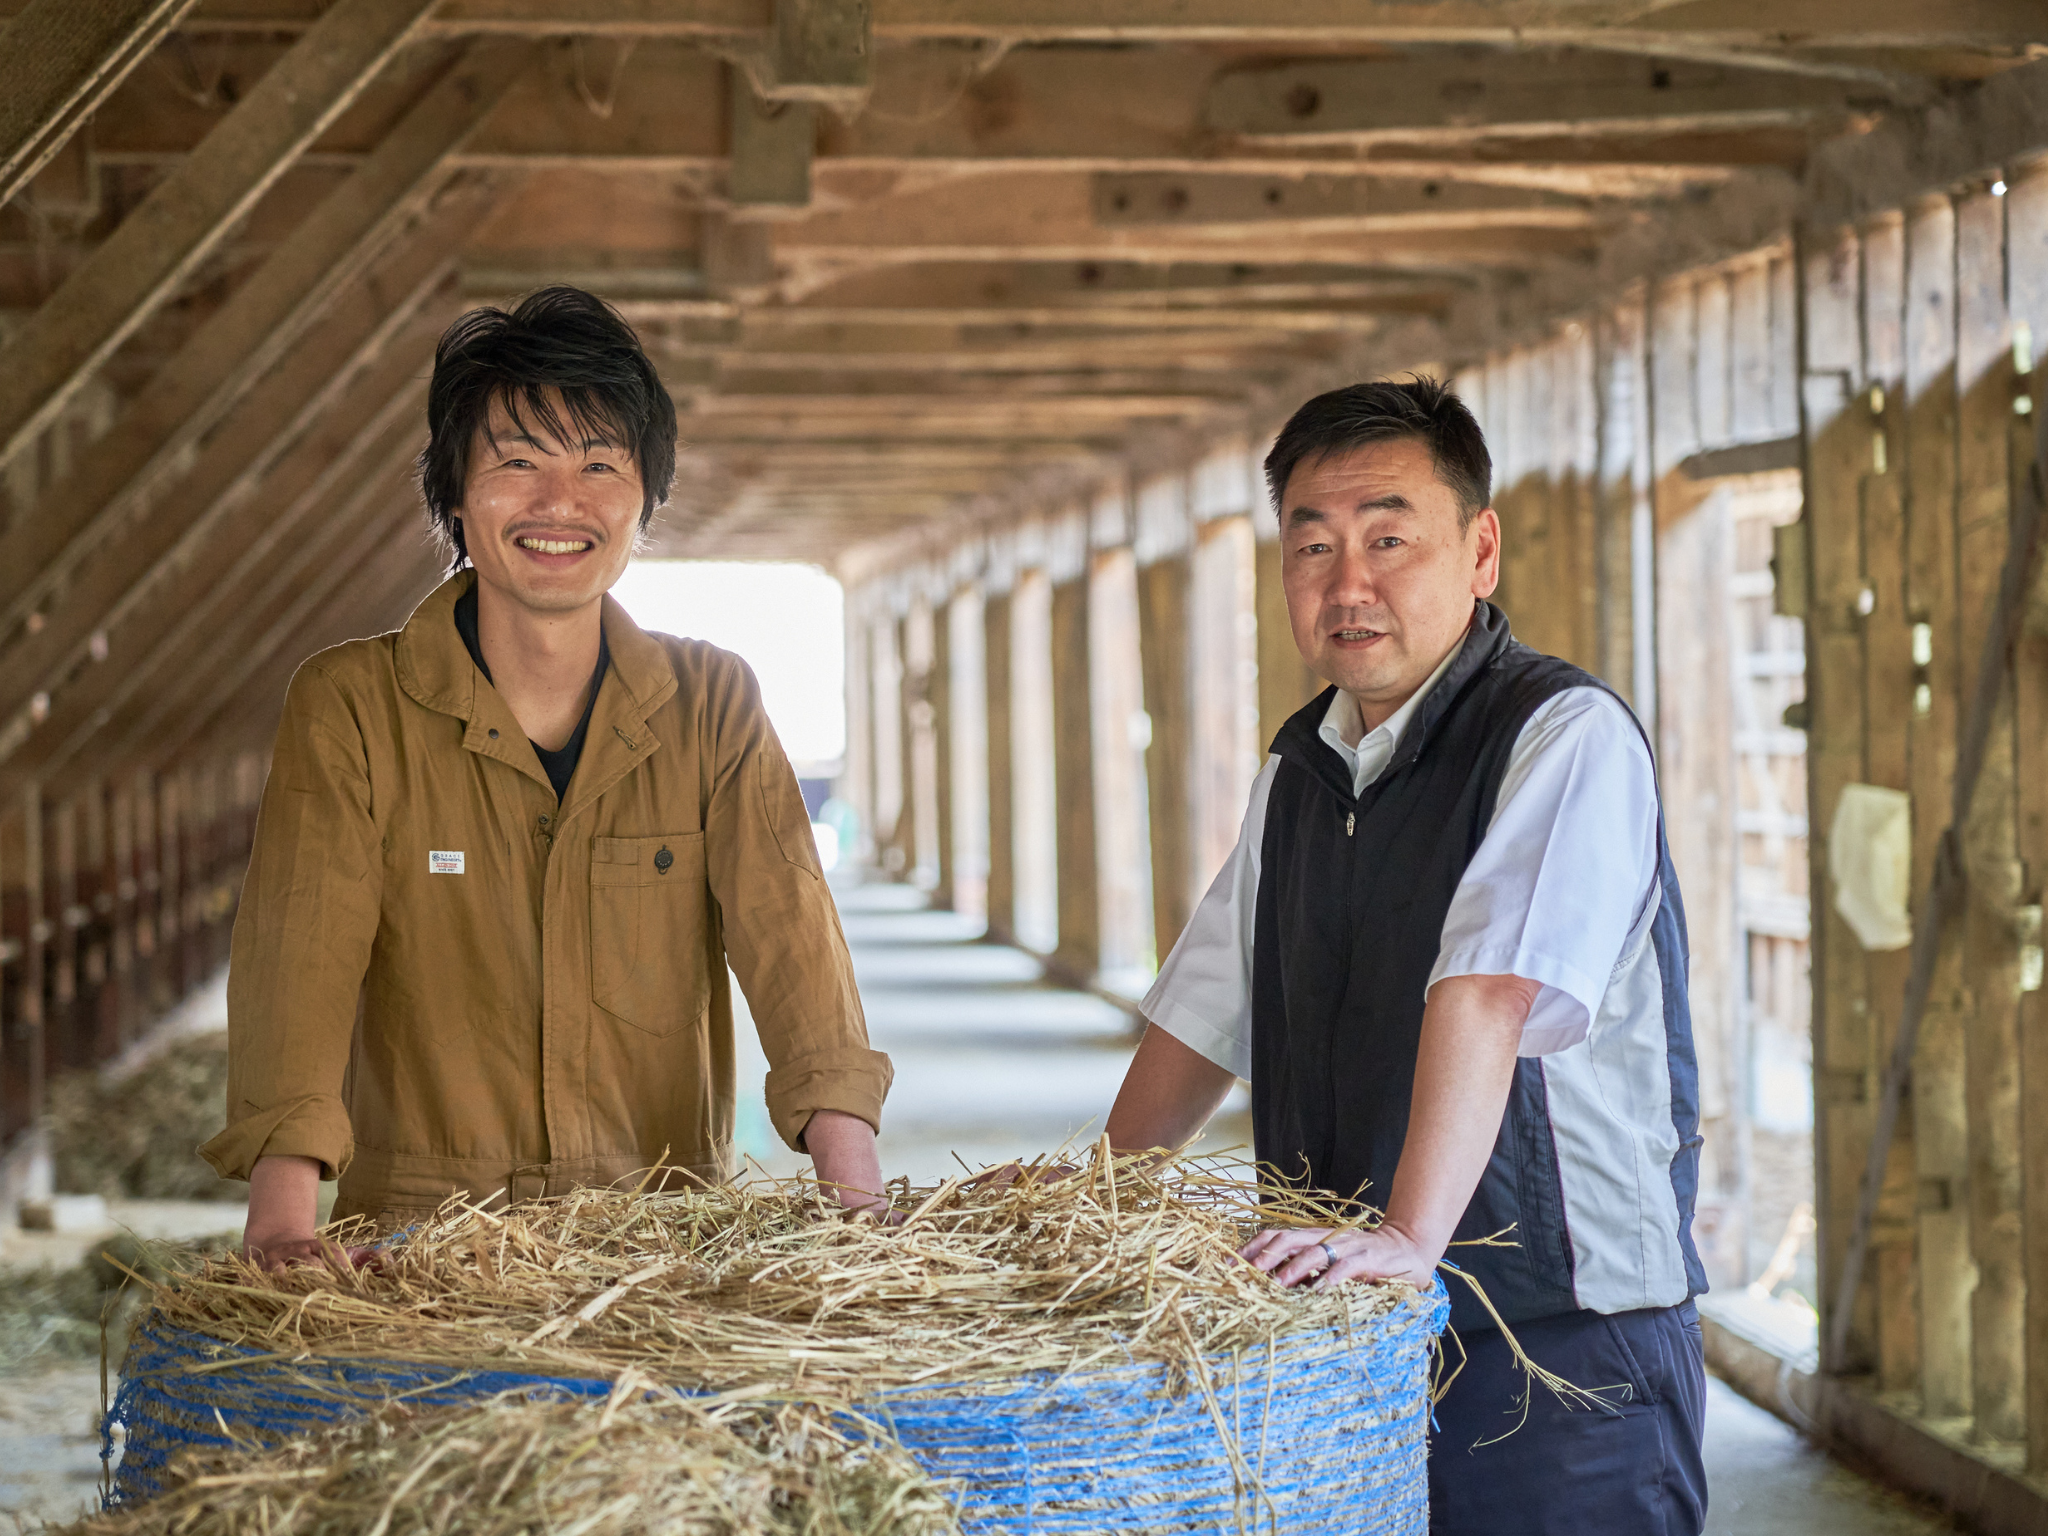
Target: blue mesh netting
pixel 1317 1433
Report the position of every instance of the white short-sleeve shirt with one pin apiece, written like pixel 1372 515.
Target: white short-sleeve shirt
pixel 1560 891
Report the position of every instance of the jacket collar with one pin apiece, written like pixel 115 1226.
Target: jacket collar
pixel 1300 739
pixel 435 670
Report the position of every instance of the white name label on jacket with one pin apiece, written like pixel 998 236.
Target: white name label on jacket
pixel 444 863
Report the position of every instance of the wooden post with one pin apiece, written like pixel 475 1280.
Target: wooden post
pixel 1990 954
pixel 885 670
pixel 1078 954
pixel 1623 416
pixel 1838 452
pixel 966 750
pixel 1037 808
pixel 938 693
pixel 1227 750
pixel 996 628
pixel 1940 1113
pixel 857 780
pixel 33 1014
pixel 121 878
pixel 1887 710
pixel 1285 681
pixel 2027 239
pixel 1116 707
pixel 771 150
pixel 913 734
pixel 1165 647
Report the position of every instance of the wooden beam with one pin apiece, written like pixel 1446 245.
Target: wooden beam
pixel 1357 202
pixel 288 402
pixel 362 528
pixel 59 59
pixel 771 149
pixel 188 397
pixel 1797 24
pixel 1511 92
pixel 190 625
pixel 157 247
pixel 1078 954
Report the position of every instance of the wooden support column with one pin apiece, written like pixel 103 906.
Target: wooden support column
pixel 1116 709
pixel 1038 806
pixel 158 246
pixel 996 628
pixel 892 797
pixel 33 1016
pixel 857 782
pixel 122 874
pixel 1285 681
pixel 1838 453
pixel 965 748
pixel 938 693
pixel 69 1050
pixel 1077 956
pixel 1990 952
pixel 1940 1099
pixel 1887 761
pixel 59 59
pixel 337 244
pixel 1620 362
pixel 913 729
pixel 2027 241
pixel 1165 589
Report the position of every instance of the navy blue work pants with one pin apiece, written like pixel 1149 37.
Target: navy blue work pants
pixel 1629 1468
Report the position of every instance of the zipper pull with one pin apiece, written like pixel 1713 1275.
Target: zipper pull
pixel 1350 822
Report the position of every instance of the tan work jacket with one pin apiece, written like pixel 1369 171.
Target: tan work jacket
pixel 443 980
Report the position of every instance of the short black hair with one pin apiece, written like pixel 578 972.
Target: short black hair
pixel 1360 415
pixel 558 338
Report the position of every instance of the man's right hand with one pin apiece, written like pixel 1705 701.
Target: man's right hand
pixel 284 1201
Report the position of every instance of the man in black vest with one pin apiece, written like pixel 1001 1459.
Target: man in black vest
pixel 1448 953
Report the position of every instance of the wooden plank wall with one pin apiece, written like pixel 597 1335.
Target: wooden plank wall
pixel 1919 384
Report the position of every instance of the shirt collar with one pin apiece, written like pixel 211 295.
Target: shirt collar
pixel 1376 747
pixel 434 665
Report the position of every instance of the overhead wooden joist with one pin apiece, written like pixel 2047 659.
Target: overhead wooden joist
pixel 159 245
pixel 59 59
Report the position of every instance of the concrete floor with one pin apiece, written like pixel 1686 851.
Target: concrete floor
pixel 991 1065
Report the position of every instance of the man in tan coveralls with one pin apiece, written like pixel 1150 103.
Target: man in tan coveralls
pixel 506 854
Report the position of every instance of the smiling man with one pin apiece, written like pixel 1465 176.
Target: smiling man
pixel 506 854
pixel 1449 955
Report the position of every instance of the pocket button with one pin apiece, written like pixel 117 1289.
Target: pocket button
pixel 662 861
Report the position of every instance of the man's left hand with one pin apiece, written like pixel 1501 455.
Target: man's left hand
pixel 1293 1255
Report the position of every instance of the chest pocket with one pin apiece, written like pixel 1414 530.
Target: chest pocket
pixel 647 923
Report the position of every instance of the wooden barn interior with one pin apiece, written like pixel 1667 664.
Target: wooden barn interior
pixel 991 307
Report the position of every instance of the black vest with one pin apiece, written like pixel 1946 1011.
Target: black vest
pixel 1353 892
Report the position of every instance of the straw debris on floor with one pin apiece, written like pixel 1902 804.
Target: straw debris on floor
pixel 636 1463
pixel 137 1138
pixel 754 1287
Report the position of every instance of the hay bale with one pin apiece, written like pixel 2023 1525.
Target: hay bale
pixel 1082 1355
pixel 637 1463
pixel 136 1138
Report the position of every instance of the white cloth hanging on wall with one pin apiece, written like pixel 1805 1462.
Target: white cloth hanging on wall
pixel 1870 861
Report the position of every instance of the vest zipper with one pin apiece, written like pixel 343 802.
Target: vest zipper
pixel 1350 822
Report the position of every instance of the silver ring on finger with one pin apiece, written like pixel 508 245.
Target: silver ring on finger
pixel 1329 1255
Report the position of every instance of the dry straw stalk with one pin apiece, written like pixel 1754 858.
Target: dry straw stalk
pixel 752 1289
pixel 639 1464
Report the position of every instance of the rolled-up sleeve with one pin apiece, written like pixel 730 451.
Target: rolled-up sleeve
pixel 302 941
pixel 781 927
pixel 1566 873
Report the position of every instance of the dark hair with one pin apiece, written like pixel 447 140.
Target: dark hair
pixel 1362 414
pixel 559 338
